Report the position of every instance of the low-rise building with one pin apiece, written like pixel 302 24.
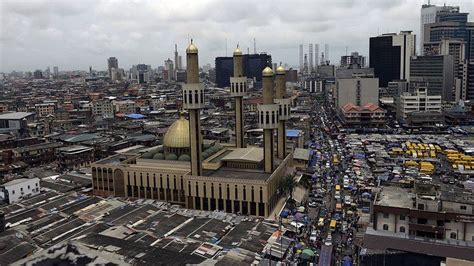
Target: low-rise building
pixel 125 107
pixel 37 153
pixel 369 115
pixel 417 101
pixel 74 157
pixel 15 122
pixel 103 109
pixel 18 189
pixel 44 109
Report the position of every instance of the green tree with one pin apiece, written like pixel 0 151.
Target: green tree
pixel 306 181
pixel 288 185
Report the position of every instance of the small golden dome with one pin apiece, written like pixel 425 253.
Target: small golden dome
pixel 192 49
pixel 280 70
pixel 237 51
pixel 267 72
pixel 177 135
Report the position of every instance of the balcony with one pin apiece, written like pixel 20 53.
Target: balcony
pixel 426 228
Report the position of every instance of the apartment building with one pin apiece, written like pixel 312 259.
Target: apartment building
pixel 44 109
pixel 103 109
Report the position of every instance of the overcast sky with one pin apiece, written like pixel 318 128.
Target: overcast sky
pixel 75 34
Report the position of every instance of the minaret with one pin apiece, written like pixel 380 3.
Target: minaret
pixel 193 101
pixel 238 88
pixel 268 118
pixel 283 110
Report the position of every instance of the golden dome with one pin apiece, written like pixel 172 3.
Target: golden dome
pixel 267 72
pixel 237 51
pixel 280 70
pixel 192 49
pixel 177 135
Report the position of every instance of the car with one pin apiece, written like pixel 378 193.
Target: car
pixel 328 240
pixel 312 204
pixel 314 236
pixel 366 209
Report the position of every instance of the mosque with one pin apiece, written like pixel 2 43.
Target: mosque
pixel 201 174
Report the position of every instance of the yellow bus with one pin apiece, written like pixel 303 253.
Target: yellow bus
pixel 332 225
pixel 335 160
pixel 338 188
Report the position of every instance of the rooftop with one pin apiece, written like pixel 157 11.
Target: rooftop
pixel 19 181
pixel 235 173
pixel 15 115
pixel 254 155
pixel 392 196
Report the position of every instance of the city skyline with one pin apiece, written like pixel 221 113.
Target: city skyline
pixel 74 36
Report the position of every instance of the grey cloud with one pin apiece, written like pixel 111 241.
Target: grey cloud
pixel 76 34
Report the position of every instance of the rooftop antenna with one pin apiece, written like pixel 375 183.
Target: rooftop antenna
pixel 225 46
pixel 248 50
pixel 254 46
pixel 346 50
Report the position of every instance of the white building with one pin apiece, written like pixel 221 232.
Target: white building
pixel 44 109
pixel 417 101
pixel 103 109
pixel 19 189
pixel 358 91
pixel 125 107
pixel 429 15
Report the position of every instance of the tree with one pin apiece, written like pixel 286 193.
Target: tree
pixel 288 185
pixel 306 181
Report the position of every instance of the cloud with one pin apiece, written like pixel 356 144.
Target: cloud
pixel 77 34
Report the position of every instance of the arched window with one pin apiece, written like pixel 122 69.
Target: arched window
pixel 212 190
pixel 232 87
pixel 273 117
pixel 385 227
pixel 245 194
pixel 185 98
pixel 197 189
pixel 220 191
pixel 252 196
pixel 190 97
pixel 196 96
pixel 189 187
pixel 279 110
pixel 267 118
pixel 236 193
pixel 228 192
pixel 286 110
pixel 261 117
pixel 453 235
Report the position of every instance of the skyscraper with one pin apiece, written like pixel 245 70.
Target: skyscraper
pixel 390 56
pixel 55 71
pixel 112 62
pixel 169 67
pixel 310 53
pixel 316 56
pixel 433 13
pixel 253 64
pixel 326 52
pixel 176 57
pixel 301 58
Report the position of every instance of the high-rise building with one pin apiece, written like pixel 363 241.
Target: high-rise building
pixel 180 62
pixel 311 57
pixel 301 58
pixel 357 91
pixel 326 52
pixel 316 56
pixel 353 61
pixel 140 73
pixel 55 71
pixel 464 31
pixel 253 65
pixel 305 64
pixel 169 66
pixel 390 56
pixel 112 62
pixel 176 57
pixel 38 74
pixel 433 13
pixel 437 72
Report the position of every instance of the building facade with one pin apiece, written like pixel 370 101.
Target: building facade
pixel 358 91
pixel 18 189
pixel 253 64
pixel 437 72
pixel 390 56
pixel 418 101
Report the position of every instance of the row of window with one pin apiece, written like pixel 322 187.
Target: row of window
pixel 198 97
pixel 29 188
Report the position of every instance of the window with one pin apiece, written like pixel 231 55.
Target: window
pixel 402 217
pixel 463 207
pixel 385 227
pixel 421 207
pixel 28 186
pixel 452 235
pixel 21 189
pixel 385 215
pixel 13 192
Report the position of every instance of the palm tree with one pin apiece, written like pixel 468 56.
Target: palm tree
pixel 306 181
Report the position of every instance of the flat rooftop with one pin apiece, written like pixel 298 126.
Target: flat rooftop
pixel 15 115
pixel 226 172
pixel 395 197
